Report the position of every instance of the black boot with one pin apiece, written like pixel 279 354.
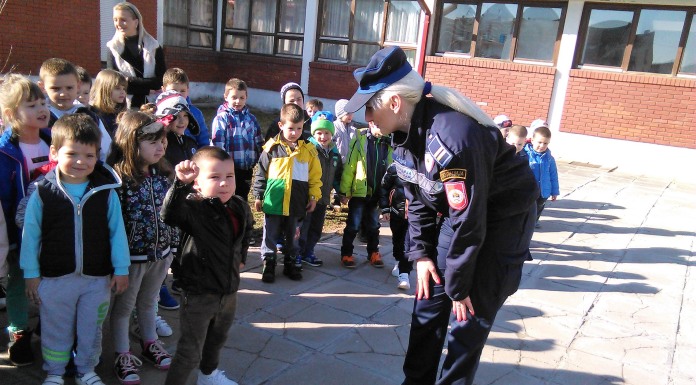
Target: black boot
pixel 268 272
pixel 291 270
pixel 20 348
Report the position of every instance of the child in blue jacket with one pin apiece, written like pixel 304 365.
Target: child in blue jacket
pixel 542 164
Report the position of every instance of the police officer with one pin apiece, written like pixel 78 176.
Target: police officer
pixel 471 212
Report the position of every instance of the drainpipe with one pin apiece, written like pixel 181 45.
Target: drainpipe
pixel 424 41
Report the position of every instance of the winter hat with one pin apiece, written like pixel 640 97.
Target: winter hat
pixel 325 114
pixel 322 123
pixel 503 121
pixel 169 104
pixel 538 123
pixel 290 86
pixel 341 108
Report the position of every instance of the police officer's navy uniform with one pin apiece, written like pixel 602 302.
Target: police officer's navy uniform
pixel 454 166
pixel 471 210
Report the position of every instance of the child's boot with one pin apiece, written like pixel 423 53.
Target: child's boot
pixel 290 269
pixel 268 272
pixel 20 348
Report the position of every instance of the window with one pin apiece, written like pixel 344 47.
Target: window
pixel 510 30
pixel 189 23
pixel 641 39
pixel 269 27
pixel 353 37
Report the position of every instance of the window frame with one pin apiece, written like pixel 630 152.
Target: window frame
pixel 349 41
pixel 515 30
pixel 636 9
pixel 192 28
pixel 248 33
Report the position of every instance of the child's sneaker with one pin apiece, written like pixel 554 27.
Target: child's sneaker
pixel 176 288
pixel 375 259
pixel 166 301
pixel 162 327
pixel 348 261
pixel 90 378
pixel 268 272
pixel 20 348
pixel 217 377
pixel 155 353
pixel 298 263
pixel 395 271
pixel 126 368
pixel 312 260
pixel 290 269
pixel 53 379
pixel 404 283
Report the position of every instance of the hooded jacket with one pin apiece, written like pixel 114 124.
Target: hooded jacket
pixel 543 166
pixel 331 169
pixel 367 162
pixel 211 250
pixel 286 179
pixel 238 133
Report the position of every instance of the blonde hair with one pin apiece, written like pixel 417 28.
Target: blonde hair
pixel 126 6
pixel 410 88
pixel 100 94
pixel 14 90
pixel 124 156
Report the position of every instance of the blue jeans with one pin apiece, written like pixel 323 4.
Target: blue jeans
pixel 278 227
pixel 311 229
pixel 360 209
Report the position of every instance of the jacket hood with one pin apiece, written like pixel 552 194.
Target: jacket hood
pixel 102 176
pixel 332 145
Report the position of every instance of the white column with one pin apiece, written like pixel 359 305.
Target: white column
pixel 219 26
pixel 310 40
pixel 565 62
pixel 160 21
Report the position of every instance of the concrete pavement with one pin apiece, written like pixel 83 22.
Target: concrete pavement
pixel 608 299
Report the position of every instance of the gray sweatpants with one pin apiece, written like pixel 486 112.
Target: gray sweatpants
pixel 144 283
pixel 68 304
pixel 205 321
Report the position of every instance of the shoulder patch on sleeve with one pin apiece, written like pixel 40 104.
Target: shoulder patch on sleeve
pixel 440 152
pixel 455 173
pixel 456 195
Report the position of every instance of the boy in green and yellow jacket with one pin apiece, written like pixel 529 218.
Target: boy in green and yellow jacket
pixel 369 155
pixel 287 187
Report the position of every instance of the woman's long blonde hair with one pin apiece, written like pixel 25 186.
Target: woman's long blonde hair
pixel 410 88
pixel 100 94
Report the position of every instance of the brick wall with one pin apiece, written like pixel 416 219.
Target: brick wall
pixel 263 72
pixel 33 31
pixel 648 109
pixel 331 81
pixel 520 91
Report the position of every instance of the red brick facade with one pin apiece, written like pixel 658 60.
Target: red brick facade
pixel 331 81
pixel 520 91
pixel 648 109
pixel 264 72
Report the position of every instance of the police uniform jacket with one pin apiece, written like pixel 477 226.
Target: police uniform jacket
pixel 455 166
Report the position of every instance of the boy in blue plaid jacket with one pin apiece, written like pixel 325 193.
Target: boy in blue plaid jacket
pixel 237 131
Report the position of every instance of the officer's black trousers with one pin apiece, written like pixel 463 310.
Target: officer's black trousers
pixel 497 276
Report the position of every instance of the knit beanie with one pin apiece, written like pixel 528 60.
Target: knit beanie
pixel 322 123
pixel 340 108
pixel 290 86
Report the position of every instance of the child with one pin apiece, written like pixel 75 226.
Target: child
pixel 517 136
pixel 109 98
pixel 60 82
pixel 85 85
pixel 175 79
pixel 543 164
pixel 23 147
pixel 172 107
pixel 138 157
pixel 237 131
pixel 331 168
pixel 287 187
pixel 313 105
pixel 395 210
pixel 216 226
pixel 291 93
pixel 504 123
pixel 74 240
pixel 344 128
pixel 366 163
